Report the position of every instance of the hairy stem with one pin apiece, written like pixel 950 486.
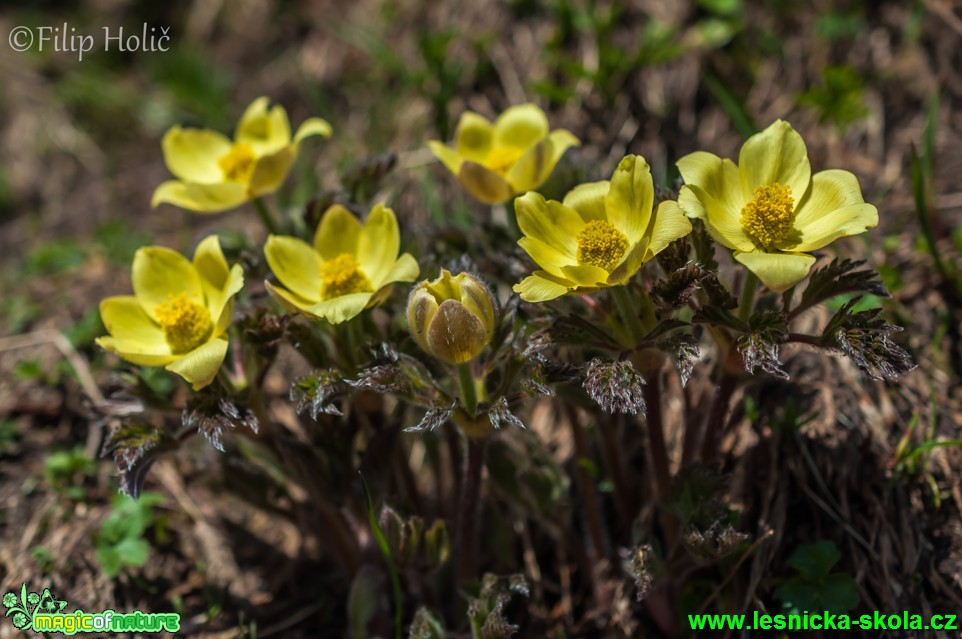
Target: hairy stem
pixel 615 460
pixel 592 511
pixel 468 509
pixel 717 416
pixel 656 435
pixel 469 389
pixel 628 314
pixel 266 218
pixel 746 301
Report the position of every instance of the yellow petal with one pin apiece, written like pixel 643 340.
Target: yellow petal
pixel 421 308
pixel 778 271
pixel 834 208
pixel 131 352
pixel 378 243
pixel 777 154
pixel 537 163
pixel 537 288
pixel 669 224
pixel 220 283
pixel 405 269
pixel 200 198
pixel 630 198
pixel 586 275
pixel 311 127
pixel 472 139
pixel 455 335
pixel 340 309
pixel 295 264
pixel 158 273
pixel 222 316
pixel 588 200
pixel 724 226
pixel 132 330
pixel 545 255
pixel 192 154
pixel 550 222
pixel 267 131
pixel 270 171
pixel 291 301
pixel 210 263
pixel 483 183
pixel 337 233
pixel 448 156
pixel 200 366
pixel 520 126
pixel 533 167
pixel 717 178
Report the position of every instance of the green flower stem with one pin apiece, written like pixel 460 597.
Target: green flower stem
pixel 265 215
pixel 628 314
pixel 469 389
pixel 746 301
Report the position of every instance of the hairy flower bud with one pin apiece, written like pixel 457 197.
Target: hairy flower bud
pixel 452 317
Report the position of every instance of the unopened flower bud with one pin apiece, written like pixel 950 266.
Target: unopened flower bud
pixel 452 317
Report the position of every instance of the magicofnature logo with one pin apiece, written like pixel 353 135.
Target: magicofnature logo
pixel 25 608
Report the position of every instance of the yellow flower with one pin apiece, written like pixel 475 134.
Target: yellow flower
pixel 452 317
pixel 216 174
pixel 599 236
pixel 350 267
pixel 179 313
pixel 514 155
pixel 769 208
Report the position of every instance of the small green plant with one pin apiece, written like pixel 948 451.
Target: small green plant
pixel 120 541
pixel 9 435
pixel 65 471
pixel 814 586
pixel 839 99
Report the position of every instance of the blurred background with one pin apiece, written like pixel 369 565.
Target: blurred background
pixel 865 82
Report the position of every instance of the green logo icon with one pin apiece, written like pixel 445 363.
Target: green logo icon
pixel 29 604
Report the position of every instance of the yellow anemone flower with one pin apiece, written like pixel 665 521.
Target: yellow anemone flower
pixel 216 174
pixel 769 208
pixel 350 267
pixel 515 154
pixel 598 236
pixel 179 313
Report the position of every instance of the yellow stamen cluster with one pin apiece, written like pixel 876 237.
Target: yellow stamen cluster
pixel 601 244
pixel 342 276
pixel 770 217
pixel 186 324
pixel 238 164
pixel 503 158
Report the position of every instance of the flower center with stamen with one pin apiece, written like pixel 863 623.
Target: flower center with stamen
pixel 770 217
pixel 186 324
pixel 342 276
pixel 601 244
pixel 503 158
pixel 238 164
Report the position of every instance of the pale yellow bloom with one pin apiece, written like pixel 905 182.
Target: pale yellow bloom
pixel 517 153
pixel 350 267
pixel 770 209
pixel 599 236
pixel 452 317
pixel 216 174
pixel 179 313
